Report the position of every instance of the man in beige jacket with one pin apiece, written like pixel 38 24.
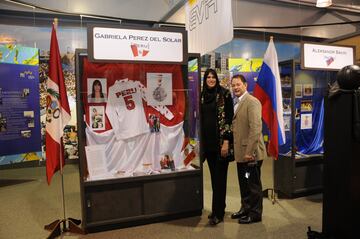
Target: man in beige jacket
pixel 249 151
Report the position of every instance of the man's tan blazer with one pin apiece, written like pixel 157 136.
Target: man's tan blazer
pixel 247 129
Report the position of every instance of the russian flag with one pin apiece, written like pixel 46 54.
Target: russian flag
pixel 268 91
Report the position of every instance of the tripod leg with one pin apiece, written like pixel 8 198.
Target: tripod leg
pixel 56 230
pixel 52 225
pixel 73 228
pixel 75 221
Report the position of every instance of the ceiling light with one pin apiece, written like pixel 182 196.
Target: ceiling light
pixel 323 3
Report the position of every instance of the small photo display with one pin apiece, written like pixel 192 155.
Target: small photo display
pixel 97 90
pixel 26 92
pixel 285 81
pixel 29 114
pixel 286 93
pixel 287 124
pixel 26 133
pixel 3 123
pixel 306 106
pixel 31 123
pixel 308 90
pixel 159 89
pixel 154 123
pixel 298 91
pixel 286 107
pixel 306 121
pixel 97 117
pixel 167 162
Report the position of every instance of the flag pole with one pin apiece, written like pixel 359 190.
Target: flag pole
pixel 270 192
pixel 66 224
pixel 56 22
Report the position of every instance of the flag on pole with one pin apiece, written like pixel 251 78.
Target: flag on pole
pixel 268 91
pixel 57 110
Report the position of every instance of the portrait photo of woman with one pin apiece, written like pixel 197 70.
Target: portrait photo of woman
pixel 96 89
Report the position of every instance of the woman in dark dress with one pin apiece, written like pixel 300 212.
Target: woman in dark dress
pixel 216 117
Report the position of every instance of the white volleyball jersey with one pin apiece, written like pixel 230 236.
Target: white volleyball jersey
pixel 125 109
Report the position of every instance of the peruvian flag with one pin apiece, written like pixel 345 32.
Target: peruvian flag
pixel 57 110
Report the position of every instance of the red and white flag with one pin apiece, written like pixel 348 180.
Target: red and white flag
pixel 57 110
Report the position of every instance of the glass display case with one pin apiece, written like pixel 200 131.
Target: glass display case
pixel 298 170
pixel 138 141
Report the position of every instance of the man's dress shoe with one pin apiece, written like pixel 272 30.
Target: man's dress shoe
pixel 238 214
pixel 211 215
pixel 214 221
pixel 249 219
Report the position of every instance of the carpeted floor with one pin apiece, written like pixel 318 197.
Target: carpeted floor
pixel 26 207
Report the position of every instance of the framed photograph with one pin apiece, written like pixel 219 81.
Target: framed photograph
pixel 29 114
pixel 286 93
pixel 159 89
pixel 308 90
pixel 287 122
pixel 97 117
pixel 26 133
pixel 306 106
pixel 306 121
pixel 286 107
pixel 298 91
pixel 97 90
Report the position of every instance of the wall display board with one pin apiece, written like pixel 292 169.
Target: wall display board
pixel 298 170
pixel 138 143
pixel 19 101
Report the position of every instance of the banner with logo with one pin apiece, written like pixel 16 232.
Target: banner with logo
pixel 144 45
pixel 209 24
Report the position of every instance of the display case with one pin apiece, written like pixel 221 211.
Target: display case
pixel 298 170
pixel 139 140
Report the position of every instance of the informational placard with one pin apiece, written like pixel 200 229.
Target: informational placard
pixel 120 44
pixel 326 57
pixel 19 109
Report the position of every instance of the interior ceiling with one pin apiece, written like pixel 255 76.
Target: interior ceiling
pixel 246 13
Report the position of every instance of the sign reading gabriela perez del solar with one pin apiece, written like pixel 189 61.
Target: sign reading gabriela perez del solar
pixel 326 57
pixel 145 45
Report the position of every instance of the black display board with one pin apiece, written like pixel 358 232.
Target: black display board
pixel 341 199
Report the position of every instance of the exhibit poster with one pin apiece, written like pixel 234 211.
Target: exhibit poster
pixel 249 67
pixel 193 92
pixel 19 101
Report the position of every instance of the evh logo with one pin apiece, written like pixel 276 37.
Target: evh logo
pixel 140 49
pixel 198 11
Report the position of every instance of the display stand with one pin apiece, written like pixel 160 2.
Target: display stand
pixel 341 177
pixel 135 200
pixel 298 174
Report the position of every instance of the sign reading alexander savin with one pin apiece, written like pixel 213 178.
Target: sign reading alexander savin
pixel 326 57
pixel 120 44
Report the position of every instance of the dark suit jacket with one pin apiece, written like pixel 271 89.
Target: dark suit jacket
pixel 247 129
